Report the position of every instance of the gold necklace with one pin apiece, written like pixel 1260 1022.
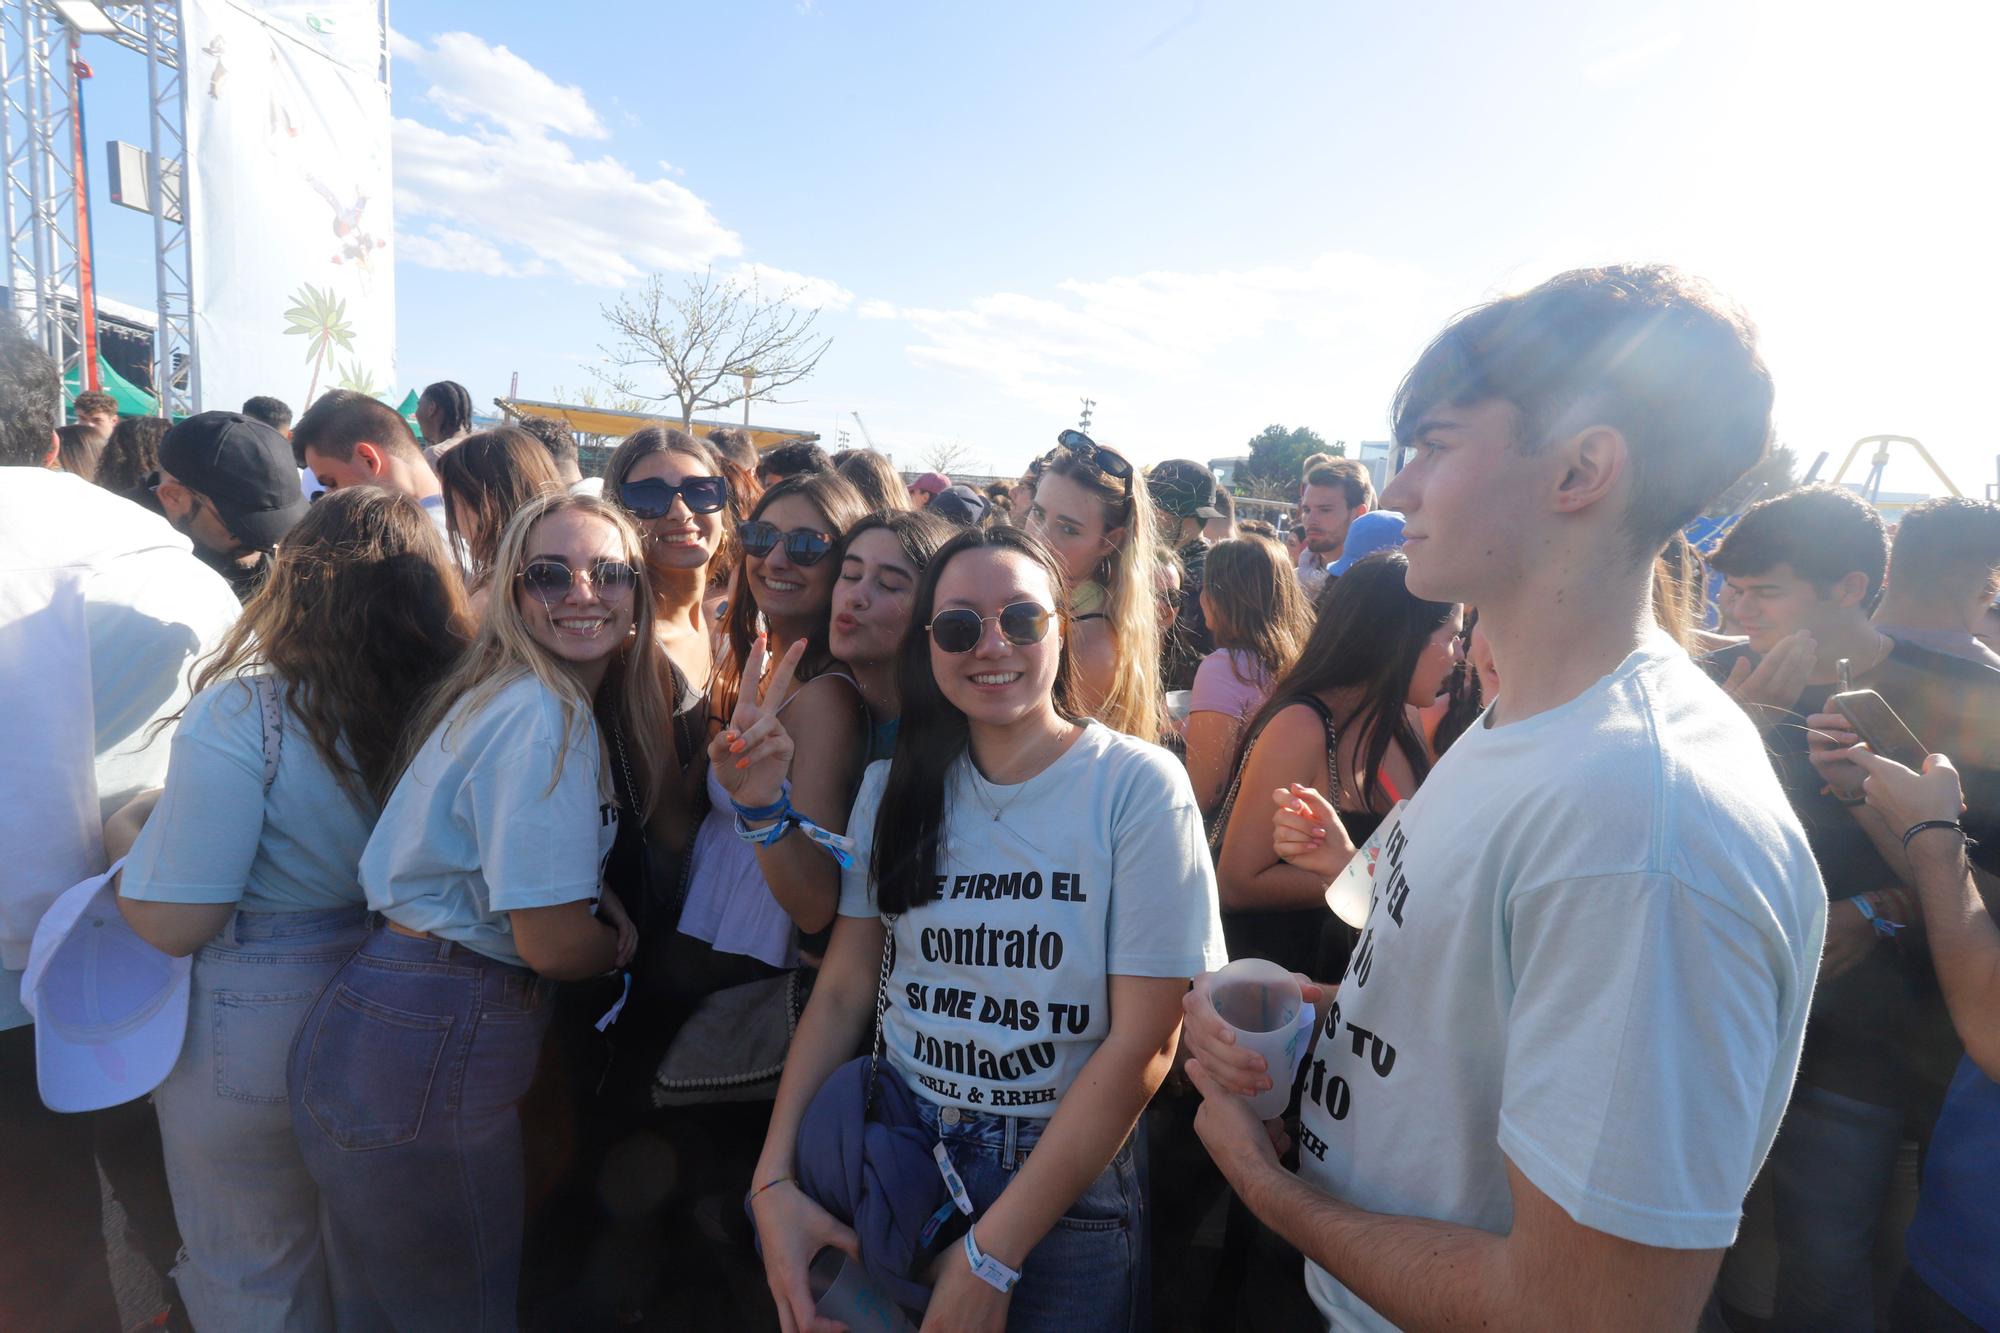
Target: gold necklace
pixel 980 784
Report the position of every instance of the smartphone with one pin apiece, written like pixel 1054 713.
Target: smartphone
pixel 1875 722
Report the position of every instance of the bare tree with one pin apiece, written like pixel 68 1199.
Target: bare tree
pixel 703 338
pixel 948 456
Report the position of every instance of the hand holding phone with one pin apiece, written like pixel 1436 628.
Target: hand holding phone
pixel 1877 724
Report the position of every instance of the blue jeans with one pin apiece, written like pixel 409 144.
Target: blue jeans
pixel 1086 1273
pixel 404 1087
pixel 1831 1168
pixel 248 1212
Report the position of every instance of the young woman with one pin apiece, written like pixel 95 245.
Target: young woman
pixel 881 560
pixel 678 492
pixel 77 450
pixel 882 487
pixel 1071 975
pixel 131 455
pixel 249 862
pixel 486 478
pixel 485 866
pixel 1251 599
pixel 1341 721
pixel 750 899
pixel 1094 512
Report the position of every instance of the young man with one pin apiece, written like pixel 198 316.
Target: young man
pixel 795 459
pixel 349 439
pixel 561 443
pixel 98 412
pixel 1943 575
pixel 1568 1031
pixel 1185 494
pixel 444 415
pixel 227 483
pixel 1805 569
pixel 102 611
pixel 1334 495
pixel 273 412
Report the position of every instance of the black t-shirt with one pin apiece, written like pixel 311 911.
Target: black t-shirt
pixel 1878 1031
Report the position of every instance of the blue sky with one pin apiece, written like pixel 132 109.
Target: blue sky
pixel 1206 217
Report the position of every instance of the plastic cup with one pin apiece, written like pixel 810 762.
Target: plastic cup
pixel 843 1290
pixel 1262 1002
pixel 1353 889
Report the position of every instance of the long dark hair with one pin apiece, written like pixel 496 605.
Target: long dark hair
pixel 362 616
pixel 642 444
pixel 840 507
pixel 1370 633
pixel 934 733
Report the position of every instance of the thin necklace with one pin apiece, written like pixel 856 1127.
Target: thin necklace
pixel 979 785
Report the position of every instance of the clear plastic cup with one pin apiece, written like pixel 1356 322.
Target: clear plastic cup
pixel 1262 1002
pixel 1353 889
pixel 843 1290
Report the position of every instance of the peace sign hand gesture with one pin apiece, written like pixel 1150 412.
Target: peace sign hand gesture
pixel 752 756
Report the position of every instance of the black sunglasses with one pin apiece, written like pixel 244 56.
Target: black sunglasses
pixel 958 630
pixel 803 546
pixel 652 497
pixel 1090 452
pixel 549 581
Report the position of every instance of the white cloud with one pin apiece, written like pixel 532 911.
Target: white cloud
pixel 454 251
pixel 797 288
pixel 1633 51
pixel 876 309
pixel 506 196
pixel 471 81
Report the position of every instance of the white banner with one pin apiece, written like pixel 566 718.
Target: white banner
pixel 290 214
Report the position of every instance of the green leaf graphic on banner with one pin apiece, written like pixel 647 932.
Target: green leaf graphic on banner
pixel 320 317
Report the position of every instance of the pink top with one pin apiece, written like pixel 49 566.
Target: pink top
pixel 1229 681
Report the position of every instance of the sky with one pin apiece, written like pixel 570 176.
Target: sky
pixel 1207 218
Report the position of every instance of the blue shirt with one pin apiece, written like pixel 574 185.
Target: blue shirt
pixel 218 837
pixel 1956 1234
pixel 482 824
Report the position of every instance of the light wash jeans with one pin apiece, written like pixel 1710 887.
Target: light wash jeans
pixel 405 1084
pixel 1088 1272
pixel 248 1212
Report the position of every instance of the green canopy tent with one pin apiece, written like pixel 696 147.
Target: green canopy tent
pixel 133 401
pixel 408 411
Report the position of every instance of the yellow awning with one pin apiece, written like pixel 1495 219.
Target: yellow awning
pixel 603 421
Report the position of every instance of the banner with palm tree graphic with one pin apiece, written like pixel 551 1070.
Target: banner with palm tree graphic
pixel 289 198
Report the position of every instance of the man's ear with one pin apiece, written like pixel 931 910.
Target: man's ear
pixel 55 448
pixel 1594 462
pixel 371 458
pixel 1851 588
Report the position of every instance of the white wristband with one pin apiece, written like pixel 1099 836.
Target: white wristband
pixel 988 1269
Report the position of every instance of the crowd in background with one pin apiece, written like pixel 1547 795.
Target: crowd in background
pixel 607 895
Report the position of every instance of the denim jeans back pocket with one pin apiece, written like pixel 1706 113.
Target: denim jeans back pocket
pixel 1106 1204
pixel 368 1079
pixel 253 1034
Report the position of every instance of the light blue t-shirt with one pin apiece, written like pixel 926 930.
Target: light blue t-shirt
pixel 1093 868
pixel 217 837
pixel 475 829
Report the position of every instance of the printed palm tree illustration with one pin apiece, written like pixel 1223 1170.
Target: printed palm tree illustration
pixel 359 378
pixel 320 317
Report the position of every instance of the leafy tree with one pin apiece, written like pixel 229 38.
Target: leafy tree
pixel 320 317
pixel 1276 455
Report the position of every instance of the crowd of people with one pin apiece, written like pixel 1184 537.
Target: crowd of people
pixel 446 891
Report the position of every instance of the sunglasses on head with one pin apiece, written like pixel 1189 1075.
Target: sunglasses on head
pixel 803 546
pixel 653 497
pixel 549 581
pixel 958 630
pixel 1088 451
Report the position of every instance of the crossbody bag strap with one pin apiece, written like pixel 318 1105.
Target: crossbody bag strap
pixel 881 1009
pixel 272 721
pixel 1222 814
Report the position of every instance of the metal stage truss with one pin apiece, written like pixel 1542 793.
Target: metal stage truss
pixel 37 50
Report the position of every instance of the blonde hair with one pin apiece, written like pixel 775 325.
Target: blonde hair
pixel 1135 703
pixel 504 652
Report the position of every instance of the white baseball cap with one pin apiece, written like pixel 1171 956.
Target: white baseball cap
pixel 110 1009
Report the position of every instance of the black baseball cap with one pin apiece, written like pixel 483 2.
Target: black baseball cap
pixel 244 468
pixel 1184 488
pixel 962 505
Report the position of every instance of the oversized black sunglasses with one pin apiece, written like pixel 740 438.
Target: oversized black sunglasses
pixel 803 546
pixel 549 581
pixel 958 630
pixel 1090 452
pixel 652 497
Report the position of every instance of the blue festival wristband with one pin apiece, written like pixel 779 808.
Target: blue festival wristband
pixel 775 810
